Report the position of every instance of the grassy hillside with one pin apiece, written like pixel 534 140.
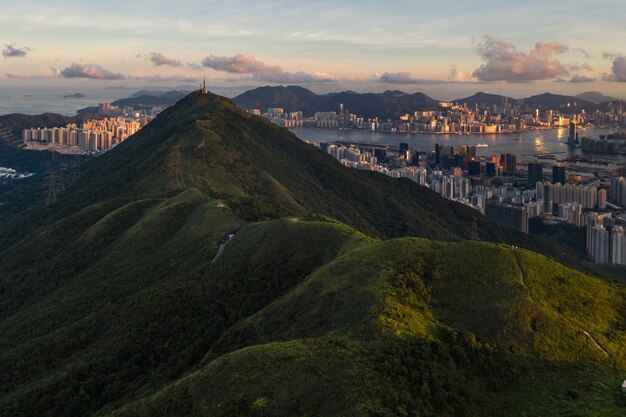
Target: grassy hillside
pixel 392 328
pixel 268 285
pixel 135 316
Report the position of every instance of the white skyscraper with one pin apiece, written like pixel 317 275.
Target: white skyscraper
pixel 618 245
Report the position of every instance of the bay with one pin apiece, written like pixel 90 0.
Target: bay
pixel 526 145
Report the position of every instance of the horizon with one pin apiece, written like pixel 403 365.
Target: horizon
pixel 447 53
pixel 232 92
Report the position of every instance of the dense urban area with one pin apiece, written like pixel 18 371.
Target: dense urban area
pixel 494 185
pixel 93 136
pixel 455 118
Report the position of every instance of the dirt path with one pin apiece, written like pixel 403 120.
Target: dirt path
pixel 522 278
pixel 220 251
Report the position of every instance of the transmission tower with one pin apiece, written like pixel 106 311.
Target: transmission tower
pixel 54 187
pixel 174 170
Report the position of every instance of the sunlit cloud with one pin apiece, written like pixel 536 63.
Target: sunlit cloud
pixel 47 74
pixel 159 59
pixel 92 71
pixel 503 62
pixel 459 76
pixel 248 65
pixel 182 78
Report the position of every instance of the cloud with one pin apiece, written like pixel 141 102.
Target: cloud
pixel 503 62
pixel 458 76
pixel 47 74
pixel 618 70
pixel 582 79
pixel 579 67
pixel 608 55
pixel 582 51
pixel 239 64
pixel 576 79
pixel 299 77
pixel 403 78
pixel 181 78
pixel 92 71
pixel 11 51
pixel 249 65
pixel 159 60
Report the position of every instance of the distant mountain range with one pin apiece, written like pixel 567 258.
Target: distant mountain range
pixel 392 104
pixel 144 98
pixel 387 105
pixel 595 97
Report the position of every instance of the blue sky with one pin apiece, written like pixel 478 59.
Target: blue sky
pixel 445 47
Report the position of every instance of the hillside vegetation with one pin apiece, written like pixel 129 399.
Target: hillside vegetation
pixel 214 264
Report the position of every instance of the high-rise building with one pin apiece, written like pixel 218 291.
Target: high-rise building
pixel 558 174
pixel 473 168
pixel 415 158
pixel 601 199
pixel 535 173
pixel 618 245
pixel 509 163
pixel 618 191
pixel 572 139
pixel 515 217
pixel 405 151
pixel 601 253
pixel 592 221
pixel 490 169
pixel 442 152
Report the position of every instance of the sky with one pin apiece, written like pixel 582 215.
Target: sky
pixel 446 48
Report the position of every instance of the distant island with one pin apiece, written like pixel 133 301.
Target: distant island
pixel 75 95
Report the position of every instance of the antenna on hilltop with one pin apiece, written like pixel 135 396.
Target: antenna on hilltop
pixel 204 90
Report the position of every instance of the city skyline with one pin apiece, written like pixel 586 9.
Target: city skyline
pixel 450 51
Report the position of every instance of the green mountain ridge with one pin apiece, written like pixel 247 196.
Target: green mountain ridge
pixel 387 105
pixel 129 297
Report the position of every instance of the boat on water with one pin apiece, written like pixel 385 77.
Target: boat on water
pixel 482 145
